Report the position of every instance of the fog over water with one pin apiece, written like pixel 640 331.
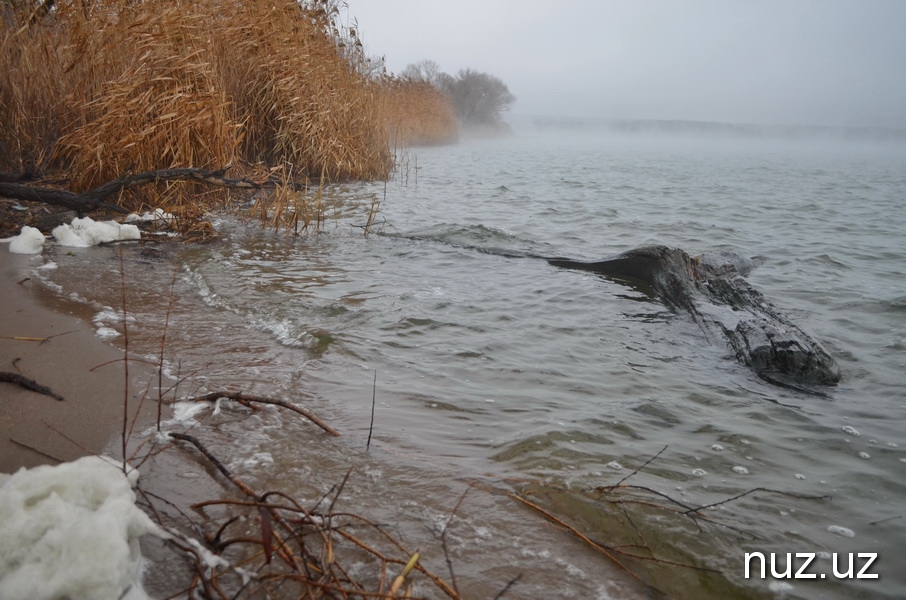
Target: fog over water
pixel 834 62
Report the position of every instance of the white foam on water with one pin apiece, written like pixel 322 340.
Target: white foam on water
pixel 849 430
pixel 257 460
pixel 740 470
pixel 185 412
pixel 780 587
pixel 284 330
pixel 106 333
pixel 841 531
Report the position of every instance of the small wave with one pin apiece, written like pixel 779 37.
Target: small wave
pixel 284 330
pixel 464 235
pixel 894 304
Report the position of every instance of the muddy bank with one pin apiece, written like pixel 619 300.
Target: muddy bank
pixel 42 341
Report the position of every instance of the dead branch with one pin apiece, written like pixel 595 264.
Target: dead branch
pixel 593 544
pixel 247 399
pixel 214 461
pixel 99 197
pixel 29 384
pixel 507 587
pixel 286 531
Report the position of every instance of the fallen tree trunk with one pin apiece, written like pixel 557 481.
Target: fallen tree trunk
pixel 711 288
pixel 99 197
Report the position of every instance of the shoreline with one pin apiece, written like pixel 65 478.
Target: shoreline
pixel 72 361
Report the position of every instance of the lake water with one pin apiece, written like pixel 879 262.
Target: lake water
pixel 553 383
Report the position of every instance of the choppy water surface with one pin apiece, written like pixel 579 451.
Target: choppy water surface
pixel 507 369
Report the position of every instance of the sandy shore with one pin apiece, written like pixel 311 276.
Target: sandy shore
pixel 36 429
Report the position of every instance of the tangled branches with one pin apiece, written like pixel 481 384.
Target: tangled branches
pixel 267 544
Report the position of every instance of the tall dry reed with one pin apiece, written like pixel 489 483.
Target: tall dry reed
pixel 92 90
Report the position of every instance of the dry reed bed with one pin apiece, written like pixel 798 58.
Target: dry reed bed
pixel 91 91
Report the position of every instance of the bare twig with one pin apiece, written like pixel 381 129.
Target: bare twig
pixel 507 587
pixel 163 339
pixel 214 461
pixel 642 467
pixel 373 399
pixel 125 357
pixel 879 521
pixel 580 535
pixel 247 399
pixel 33 449
pixel 443 537
pixel 29 384
pixel 752 491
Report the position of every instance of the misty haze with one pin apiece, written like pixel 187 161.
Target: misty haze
pixel 457 300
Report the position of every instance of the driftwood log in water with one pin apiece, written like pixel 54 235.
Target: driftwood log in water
pixel 711 288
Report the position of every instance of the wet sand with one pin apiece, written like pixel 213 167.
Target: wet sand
pixel 37 429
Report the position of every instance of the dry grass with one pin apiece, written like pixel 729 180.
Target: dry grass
pixel 90 91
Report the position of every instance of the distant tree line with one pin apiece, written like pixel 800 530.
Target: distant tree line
pixel 478 98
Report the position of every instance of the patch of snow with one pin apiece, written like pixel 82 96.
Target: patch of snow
pixel 83 233
pixel 72 531
pixel 158 214
pixel 29 241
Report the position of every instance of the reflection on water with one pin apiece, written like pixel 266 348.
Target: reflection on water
pixel 502 368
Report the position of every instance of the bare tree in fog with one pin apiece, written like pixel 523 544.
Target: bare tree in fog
pixel 425 70
pixel 479 98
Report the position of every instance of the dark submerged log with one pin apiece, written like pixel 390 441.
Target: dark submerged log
pixel 711 288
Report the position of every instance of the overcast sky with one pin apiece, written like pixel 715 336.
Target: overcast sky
pixel 830 62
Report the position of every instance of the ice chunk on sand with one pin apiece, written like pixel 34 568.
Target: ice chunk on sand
pixel 29 241
pixel 71 531
pixel 158 214
pixel 82 233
